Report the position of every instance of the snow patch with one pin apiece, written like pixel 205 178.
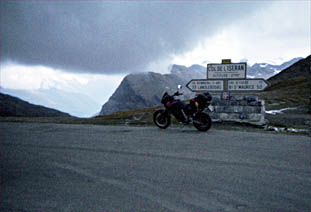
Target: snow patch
pixel 276 71
pixel 274 112
pixel 284 129
pixel 263 65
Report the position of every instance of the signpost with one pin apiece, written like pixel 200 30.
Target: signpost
pixel 227 77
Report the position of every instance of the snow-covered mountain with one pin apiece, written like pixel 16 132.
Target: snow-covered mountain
pixel 266 70
pixel 258 70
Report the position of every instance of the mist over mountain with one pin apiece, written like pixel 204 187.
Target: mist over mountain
pixel 14 107
pixel 76 104
pixel 188 73
pixel 141 90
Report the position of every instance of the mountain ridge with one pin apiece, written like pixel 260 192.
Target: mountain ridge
pixel 76 104
pixel 138 91
pixel 301 69
pixel 11 106
pixel 257 70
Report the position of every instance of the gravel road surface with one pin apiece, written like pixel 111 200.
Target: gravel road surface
pixel 59 167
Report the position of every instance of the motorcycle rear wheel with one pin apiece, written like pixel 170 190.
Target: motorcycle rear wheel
pixel 202 122
pixel 161 119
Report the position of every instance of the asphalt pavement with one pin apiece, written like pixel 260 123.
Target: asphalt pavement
pixel 62 167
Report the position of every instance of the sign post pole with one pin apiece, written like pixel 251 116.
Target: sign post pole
pixel 225 95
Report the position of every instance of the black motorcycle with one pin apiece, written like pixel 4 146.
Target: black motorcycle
pixel 185 113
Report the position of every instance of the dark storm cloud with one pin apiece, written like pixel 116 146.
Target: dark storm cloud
pixel 108 37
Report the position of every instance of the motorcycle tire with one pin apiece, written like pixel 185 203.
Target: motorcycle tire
pixel 161 119
pixel 202 122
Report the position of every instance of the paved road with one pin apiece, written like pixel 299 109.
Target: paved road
pixel 54 167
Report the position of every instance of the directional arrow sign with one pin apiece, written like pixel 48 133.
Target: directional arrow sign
pixel 197 85
pixel 247 85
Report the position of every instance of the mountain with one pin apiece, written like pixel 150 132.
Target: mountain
pixel 76 104
pixel 298 71
pixel 145 89
pixel 12 106
pixel 265 70
pixel 188 73
pixel 82 105
pixel 141 90
pixel 292 86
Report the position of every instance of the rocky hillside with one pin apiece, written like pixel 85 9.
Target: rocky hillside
pixel 12 106
pixel 141 90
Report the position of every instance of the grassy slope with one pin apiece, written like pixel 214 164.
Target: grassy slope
pixel 292 93
pixel 291 87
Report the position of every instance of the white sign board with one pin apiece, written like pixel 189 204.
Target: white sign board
pixel 226 71
pixel 247 85
pixel 205 85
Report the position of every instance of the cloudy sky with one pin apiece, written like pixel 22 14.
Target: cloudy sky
pixel 88 46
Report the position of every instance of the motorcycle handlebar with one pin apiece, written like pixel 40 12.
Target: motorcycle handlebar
pixel 177 93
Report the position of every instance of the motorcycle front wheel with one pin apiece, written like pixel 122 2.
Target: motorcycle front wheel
pixel 202 122
pixel 161 119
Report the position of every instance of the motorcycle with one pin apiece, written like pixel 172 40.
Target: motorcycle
pixel 185 113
